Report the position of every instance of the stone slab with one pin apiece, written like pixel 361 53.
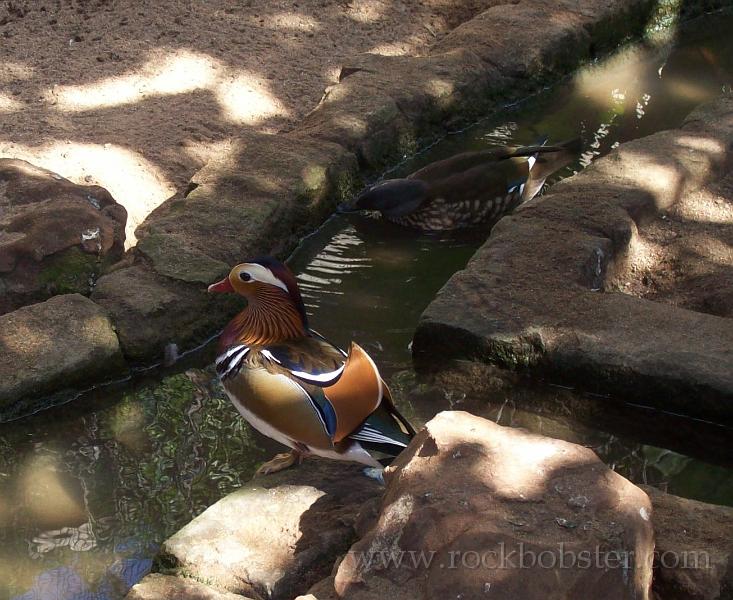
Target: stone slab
pixel 55 345
pixel 277 535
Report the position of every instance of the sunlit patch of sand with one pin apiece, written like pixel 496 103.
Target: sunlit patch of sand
pixel 9 104
pixel 244 97
pixel 132 180
pixel 293 21
pixel 367 11
pixel 13 71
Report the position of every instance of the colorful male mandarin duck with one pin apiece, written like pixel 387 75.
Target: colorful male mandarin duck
pixel 293 385
pixel 468 189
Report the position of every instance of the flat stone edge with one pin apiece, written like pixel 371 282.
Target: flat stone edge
pixel 156 586
pixel 468 95
pixel 53 346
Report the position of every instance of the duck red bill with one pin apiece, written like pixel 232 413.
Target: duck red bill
pixel 221 286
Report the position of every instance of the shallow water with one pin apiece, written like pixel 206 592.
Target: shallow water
pixel 88 490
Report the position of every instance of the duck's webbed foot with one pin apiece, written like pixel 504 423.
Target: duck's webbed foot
pixel 281 462
pixel 374 473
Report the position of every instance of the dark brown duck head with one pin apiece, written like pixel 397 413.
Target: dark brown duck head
pixel 275 311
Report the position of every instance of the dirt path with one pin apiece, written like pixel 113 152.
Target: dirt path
pixel 138 98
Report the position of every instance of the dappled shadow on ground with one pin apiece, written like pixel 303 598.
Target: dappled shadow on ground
pixel 685 257
pixel 137 98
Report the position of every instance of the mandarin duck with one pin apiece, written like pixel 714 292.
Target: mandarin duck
pixel 295 386
pixel 467 189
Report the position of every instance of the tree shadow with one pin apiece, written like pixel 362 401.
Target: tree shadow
pixel 169 83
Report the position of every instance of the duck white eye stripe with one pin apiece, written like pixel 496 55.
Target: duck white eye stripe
pixel 263 274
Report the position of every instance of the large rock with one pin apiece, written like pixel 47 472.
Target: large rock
pixel 546 291
pixel 694 548
pixel 257 197
pixel 277 535
pixel 55 345
pixel 534 39
pixel 151 311
pixel 476 510
pixel 165 587
pixel 54 234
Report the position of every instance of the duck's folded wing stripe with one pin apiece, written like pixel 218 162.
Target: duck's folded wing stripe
pixel 230 363
pixel 368 434
pixel 323 410
pixel 320 378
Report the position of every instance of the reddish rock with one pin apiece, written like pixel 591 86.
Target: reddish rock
pixel 476 510
pixel 692 558
pixel 54 234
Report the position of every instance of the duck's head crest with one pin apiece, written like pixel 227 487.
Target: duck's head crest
pixel 260 276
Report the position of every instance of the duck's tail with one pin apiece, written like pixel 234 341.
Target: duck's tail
pixel 385 431
pixel 546 160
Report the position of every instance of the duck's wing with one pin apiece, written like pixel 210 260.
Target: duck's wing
pixel 394 197
pixel 345 389
pixel 460 163
pixel 311 360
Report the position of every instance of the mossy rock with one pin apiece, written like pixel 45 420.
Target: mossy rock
pixel 69 272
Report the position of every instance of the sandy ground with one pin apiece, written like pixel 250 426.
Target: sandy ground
pixel 137 96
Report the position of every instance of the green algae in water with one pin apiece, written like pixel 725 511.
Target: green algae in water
pixel 135 472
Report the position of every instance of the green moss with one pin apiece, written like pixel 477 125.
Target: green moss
pixel 70 271
pixel 667 13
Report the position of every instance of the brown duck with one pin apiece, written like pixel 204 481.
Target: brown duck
pixel 468 189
